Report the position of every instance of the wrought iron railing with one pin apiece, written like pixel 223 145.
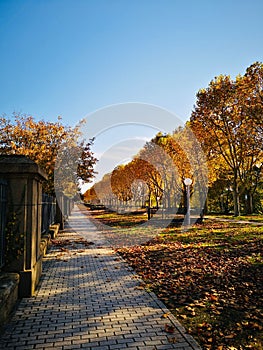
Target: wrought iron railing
pixel 48 212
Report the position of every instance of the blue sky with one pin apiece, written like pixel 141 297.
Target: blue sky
pixel 71 57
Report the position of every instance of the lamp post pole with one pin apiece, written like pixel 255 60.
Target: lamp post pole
pixel 149 207
pixel 188 183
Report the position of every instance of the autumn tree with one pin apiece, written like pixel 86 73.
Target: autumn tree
pixel 227 122
pixel 90 196
pixel 146 177
pixel 120 182
pixel 173 180
pixel 41 141
pixel 250 92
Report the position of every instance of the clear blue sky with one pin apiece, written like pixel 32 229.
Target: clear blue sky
pixel 71 57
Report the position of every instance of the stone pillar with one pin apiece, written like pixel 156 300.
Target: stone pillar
pixel 24 180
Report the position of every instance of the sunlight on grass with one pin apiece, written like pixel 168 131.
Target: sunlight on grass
pixel 253 218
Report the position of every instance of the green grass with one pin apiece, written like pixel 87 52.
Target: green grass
pixel 114 219
pixel 218 234
pixel 252 218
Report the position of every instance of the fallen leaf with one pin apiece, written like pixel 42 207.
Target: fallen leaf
pixel 139 287
pixel 213 297
pixel 230 336
pixel 64 250
pixel 168 328
pixel 172 340
pixel 182 316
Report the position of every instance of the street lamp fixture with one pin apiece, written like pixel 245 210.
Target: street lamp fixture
pixel 188 183
pixel 157 202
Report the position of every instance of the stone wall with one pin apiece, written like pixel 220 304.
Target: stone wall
pixel 9 283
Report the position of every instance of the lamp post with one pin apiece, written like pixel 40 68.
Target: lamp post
pixel 149 207
pixel 157 202
pixel 188 183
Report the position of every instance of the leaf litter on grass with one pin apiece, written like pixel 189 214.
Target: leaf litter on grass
pixel 212 282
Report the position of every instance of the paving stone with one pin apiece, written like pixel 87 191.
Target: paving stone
pixel 87 299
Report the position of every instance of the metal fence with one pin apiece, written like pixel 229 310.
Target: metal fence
pixel 48 212
pixel 3 211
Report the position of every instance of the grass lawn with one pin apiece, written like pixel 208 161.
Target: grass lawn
pixel 119 220
pixel 210 277
pixel 255 218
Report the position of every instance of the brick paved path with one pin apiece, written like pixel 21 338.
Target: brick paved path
pixel 89 298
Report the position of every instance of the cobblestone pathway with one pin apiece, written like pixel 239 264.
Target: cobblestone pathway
pixel 89 298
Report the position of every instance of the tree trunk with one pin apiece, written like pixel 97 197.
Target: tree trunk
pixel 250 207
pixel 236 194
pixel 204 210
pixel 236 199
pixel 168 201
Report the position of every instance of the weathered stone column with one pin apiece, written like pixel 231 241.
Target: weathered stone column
pixel 23 236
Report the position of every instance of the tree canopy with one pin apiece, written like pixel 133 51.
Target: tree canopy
pixel 227 120
pixel 41 141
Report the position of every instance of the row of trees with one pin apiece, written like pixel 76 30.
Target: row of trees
pixel 227 122
pixel 155 175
